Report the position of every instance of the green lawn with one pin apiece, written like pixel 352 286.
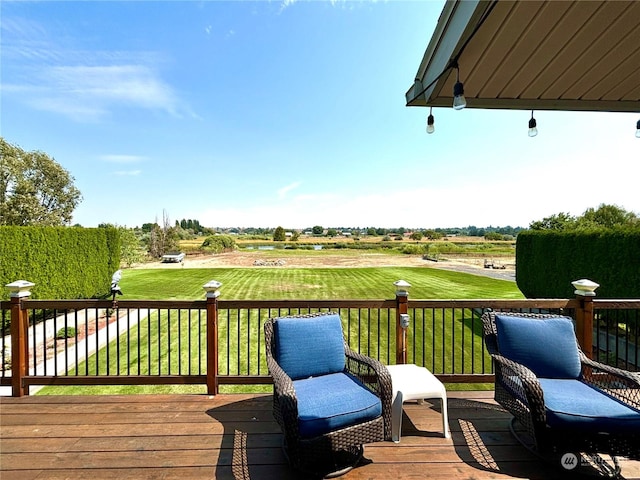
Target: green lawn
pixel 311 283
pixel 157 339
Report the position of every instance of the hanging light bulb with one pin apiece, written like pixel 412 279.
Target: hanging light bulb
pixel 430 122
pixel 533 130
pixel 459 102
pixel 638 129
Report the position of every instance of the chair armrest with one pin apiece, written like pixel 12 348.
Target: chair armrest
pixel 622 384
pixel 522 383
pixel 375 376
pixel 285 402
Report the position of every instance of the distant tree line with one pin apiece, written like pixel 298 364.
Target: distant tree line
pixel 280 233
pixel 607 216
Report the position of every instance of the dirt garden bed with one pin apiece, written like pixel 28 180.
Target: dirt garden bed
pixel 342 259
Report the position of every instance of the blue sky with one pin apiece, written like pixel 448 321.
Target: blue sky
pixel 286 113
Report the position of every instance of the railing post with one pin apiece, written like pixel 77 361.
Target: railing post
pixel 402 320
pixel 19 336
pixel 213 292
pixel 585 291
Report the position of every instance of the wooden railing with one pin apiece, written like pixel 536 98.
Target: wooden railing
pixel 217 342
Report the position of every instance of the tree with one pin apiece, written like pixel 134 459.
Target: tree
pixel 607 216
pixel 332 232
pixel 559 221
pixel 433 234
pixel 317 230
pixel 130 249
pixel 493 236
pixel 279 235
pixel 34 189
pixel 417 236
pixel 163 239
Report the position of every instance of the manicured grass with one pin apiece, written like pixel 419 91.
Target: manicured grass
pixel 311 283
pixel 158 337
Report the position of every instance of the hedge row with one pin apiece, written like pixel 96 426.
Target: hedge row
pixel 548 261
pixel 63 262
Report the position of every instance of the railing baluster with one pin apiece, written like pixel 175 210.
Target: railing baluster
pixel 449 343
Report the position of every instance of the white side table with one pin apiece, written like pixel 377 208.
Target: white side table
pixel 411 382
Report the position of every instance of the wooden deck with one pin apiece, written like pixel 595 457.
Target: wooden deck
pixel 235 437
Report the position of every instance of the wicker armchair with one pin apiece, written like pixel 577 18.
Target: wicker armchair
pixel 565 403
pixel 327 399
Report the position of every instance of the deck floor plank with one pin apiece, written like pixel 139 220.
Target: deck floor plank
pixel 235 437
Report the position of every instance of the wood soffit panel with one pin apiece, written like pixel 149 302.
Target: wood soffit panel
pixel 557 55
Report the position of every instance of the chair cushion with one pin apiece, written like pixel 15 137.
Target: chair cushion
pixel 547 346
pixel 576 406
pixel 309 346
pixel 332 402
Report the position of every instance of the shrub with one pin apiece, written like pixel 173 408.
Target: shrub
pixel 219 243
pixel 414 249
pixel 66 332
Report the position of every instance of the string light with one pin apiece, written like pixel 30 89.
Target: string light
pixel 459 102
pixel 533 126
pixel 430 122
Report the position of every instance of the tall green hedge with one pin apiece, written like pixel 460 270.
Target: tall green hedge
pixel 547 261
pixel 63 262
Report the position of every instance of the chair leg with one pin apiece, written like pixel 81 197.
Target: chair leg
pixel 396 418
pixel 586 464
pixel 355 455
pixel 337 465
pixel 601 465
pixel 445 417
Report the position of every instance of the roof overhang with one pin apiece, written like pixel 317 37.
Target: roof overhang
pixel 534 55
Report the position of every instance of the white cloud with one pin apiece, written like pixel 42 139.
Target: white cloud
pixel 89 93
pixel 285 190
pixel 286 4
pixel 84 85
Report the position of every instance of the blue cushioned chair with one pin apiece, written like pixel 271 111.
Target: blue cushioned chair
pixel 328 399
pixel 564 401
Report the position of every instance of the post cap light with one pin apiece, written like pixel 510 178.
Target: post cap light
pixel 212 288
pixel 20 288
pixel 585 287
pixel 402 288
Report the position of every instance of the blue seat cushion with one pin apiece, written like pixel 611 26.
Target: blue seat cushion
pixel 575 406
pixel 309 346
pixel 547 346
pixel 332 402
